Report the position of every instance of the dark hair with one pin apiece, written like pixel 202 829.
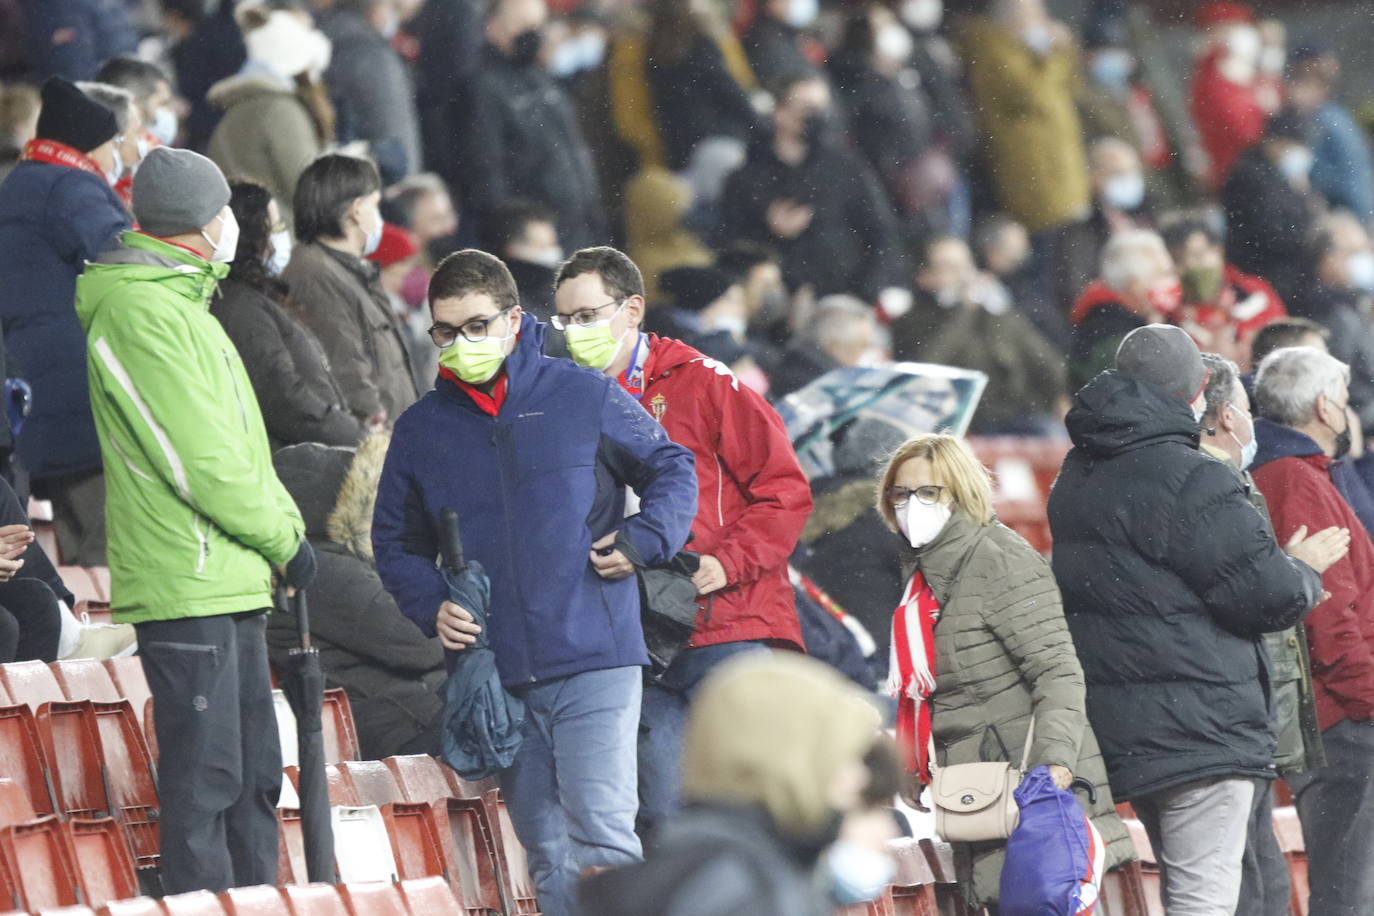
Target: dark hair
pixel 1221 385
pixel 249 201
pixel 674 32
pixel 1177 232
pixel 325 190
pixel 884 774
pixel 469 272
pixel 509 222
pixel 740 257
pixel 618 273
pixel 1286 332
pixel 398 206
pixel 139 77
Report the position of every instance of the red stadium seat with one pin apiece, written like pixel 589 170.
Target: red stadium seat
pixel 195 903
pixel 1150 884
pixel 262 900
pixel 291 868
pixel 340 733
pixel 463 788
pixel 420 778
pixel 415 840
pixel 511 857
pixel 373 782
pixel 85 679
pixel 101 853
pixel 32 683
pixel 424 896
pixel 362 846
pixel 40 864
pixel 1288 830
pixel 130 680
pixel 135 906
pixel 913 891
pixel 1123 892
pixel 83 585
pixel 373 898
pixel 15 806
pixel 23 758
pixel 313 900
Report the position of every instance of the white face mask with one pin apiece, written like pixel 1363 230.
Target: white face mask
pixel 1360 266
pixel 1038 38
pixel 857 874
pixel 164 126
pixel 1124 192
pixel 281 253
pixel 374 235
pixel 228 244
pixel 1243 43
pixel 117 173
pixel 1248 450
pixel 1296 163
pixel 920 523
pixel 923 15
pixel 801 13
pixel 893 43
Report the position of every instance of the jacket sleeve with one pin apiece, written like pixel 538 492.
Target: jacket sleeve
pixel 755 452
pixel 1220 546
pixel 189 436
pixel 292 144
pixel 87 218
pixel 640 455
pixel 1341 658
pixel 404 542
pixel 1026 615
pixel 36 562
pixel 331 312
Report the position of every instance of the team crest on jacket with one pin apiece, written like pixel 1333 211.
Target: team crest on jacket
pixel 658 406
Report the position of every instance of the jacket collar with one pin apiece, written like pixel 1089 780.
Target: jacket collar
pixel 187 272
pixel 1277 442
pixel 520 366
pixel 941 559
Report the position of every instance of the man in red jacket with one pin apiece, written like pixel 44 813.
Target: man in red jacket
pixel 1301 393
pixel 754 498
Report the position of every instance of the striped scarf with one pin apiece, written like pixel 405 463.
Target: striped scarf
pixel 911 672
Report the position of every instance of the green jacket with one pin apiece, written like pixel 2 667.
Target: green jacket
pixel 1290 671
pixel 195 514
pixel 1003 650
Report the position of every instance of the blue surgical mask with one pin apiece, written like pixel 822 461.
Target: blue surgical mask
pixel 374 235
pixel 1112 67
pixel 164 126
pixel 1296 163
pixel 281 253
pixel 1124 192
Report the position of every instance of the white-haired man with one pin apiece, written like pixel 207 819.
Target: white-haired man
pixel 1138 285
pixel 1303 427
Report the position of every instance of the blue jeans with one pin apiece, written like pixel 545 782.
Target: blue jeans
pixel 661 726
pixel 571 791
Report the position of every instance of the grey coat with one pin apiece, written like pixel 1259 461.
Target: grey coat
pixel 1003 650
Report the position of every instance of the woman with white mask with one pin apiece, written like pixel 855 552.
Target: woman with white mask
pixel 980 649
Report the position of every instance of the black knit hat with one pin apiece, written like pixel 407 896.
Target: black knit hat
pixel 71 117
pixel 694 288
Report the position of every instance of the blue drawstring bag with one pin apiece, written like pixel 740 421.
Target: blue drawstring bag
pixel 1055 856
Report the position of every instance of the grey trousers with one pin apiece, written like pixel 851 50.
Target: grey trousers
pixel 1336 807
pixel 1198 834
pixel 1264 885
pixel 219 766
pixel 78 516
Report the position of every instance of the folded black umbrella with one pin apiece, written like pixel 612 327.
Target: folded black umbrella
pixel 304 687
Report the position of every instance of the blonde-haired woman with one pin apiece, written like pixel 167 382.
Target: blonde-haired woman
pixel 979 646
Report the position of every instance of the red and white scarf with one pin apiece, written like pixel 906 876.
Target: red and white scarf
pixel 911 672
pixel 53 153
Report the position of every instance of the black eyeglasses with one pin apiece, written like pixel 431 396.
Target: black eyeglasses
pixel 928 495
pixel 583 318
pixel 474 331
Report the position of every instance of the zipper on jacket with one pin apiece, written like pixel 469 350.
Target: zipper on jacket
pixel 203 551
pixel 233 380
pixel 500 437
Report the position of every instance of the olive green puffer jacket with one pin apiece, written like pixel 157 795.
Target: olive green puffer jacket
pixel 1002 649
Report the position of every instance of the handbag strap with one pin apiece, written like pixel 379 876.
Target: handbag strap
pixel 1025 752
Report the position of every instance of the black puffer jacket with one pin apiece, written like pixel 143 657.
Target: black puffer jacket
pixel 1169 578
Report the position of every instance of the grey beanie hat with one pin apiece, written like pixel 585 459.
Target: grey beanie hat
pixel 177 191
pixel 1165 356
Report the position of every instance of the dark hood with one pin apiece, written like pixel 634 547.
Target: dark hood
pixel 1114 413
pixel 313 474
pixel 1277 442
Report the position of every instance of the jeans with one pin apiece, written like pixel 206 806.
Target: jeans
pixel 1198 834
pixel 572 790
pixel 1264 885
pixel 1336 807
pixel 30 621
pixel 661 726
pixel 219 766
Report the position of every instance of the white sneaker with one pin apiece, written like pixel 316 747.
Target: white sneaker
pixel 104 640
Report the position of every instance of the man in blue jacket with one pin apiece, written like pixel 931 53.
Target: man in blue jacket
pixel 536 454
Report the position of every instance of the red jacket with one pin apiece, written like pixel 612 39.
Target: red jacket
pixel 1340 630
pixel 1228 326
pixel 1228 116
pixel 754 498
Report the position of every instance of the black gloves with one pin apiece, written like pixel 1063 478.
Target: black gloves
pixel 300 570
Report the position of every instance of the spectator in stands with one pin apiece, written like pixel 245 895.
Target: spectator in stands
pixel 842 333
pixel 1286 332
pixel 450 39
pixel 58 211
pixel 567 638
pixel 817 202
pixel 777 42
pixel 1138 286
pixel 706 304
pixel 658 206
pixel 337 294
pixel 152 93
pixel 402 274
pixel 1002 246
pixel 131 147
pixel 695 95
pixel 1301 395
pixel 1022 66
pixel 1222 308
pixel 198 521
pixel 371 86
pixel 525 237
pixel 1120 203
pixel 752 497
pixel 1003 660
pixel 1342 165
pixel 1337 293
pixel 297 393
pixel 521 138
pixel 1167 604
pixel 423 205
pixel 1269 205
pixel 276 118
pixel 756 269
pixel 965 318
pixel 72 38
pixel 1228 434
pixel 941 73
pixel 206 47
pixel 1225 101
pixel 19 105
pixel 392 672
pixel 773 761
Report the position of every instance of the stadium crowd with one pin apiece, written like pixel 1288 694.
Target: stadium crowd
pixel 281 280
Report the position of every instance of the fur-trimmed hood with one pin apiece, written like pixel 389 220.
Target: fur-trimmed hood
pixel 350 523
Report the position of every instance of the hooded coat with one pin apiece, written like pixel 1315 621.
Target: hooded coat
pixel 1100 320
pixel 391 671
pixel 1170 579
pixel 656 202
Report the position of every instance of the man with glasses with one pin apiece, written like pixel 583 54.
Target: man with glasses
pixel 753 497
pixel 536 456
pixel 1303 430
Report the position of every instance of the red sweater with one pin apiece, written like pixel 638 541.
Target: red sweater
pixel 1340 630
pixel 753 497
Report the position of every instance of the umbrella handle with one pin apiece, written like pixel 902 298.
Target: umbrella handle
pixel 302 612
pixel 451 542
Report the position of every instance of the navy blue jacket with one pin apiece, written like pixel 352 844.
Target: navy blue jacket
pixel 534 486
pixel 1275 441
pixel 53 219
pixel 74 37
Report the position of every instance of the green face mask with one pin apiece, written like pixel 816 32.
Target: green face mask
pixel 475 362
pixel 1201 284
pixel 593 347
